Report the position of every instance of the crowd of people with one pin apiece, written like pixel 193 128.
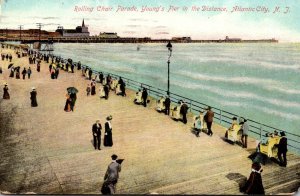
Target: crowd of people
pixel 205 119
pixel 7 57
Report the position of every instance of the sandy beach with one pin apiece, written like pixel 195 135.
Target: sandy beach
pixel 47 150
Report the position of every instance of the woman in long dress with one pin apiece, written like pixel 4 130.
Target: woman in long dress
pixel 38 67
pixel 254 184
pixel 5 92
pixel 68 103
pixel 12 72
pixel 33 94
pixel 18 74
pixel 108 132
pixel 93 85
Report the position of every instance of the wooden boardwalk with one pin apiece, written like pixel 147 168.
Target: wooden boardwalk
pixel 47 150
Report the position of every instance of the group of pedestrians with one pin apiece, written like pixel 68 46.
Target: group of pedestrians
pixel 7 57
pixel 24 72
pixel 33 95
pixel 54 71
pixel 96 131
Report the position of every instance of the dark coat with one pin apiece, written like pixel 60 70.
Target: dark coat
pixel 209 116
pixel 167 102
pixel 96 130
pixel 282 146
pixel 144 94
pixel 33 99
pixel 184 109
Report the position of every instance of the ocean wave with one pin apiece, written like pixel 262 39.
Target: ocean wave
pixel 268 84
pixel 285 115
pixel 241 62
pixel 238 94
pixel 238 80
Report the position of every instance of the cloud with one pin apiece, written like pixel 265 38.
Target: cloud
pixel 160 27
pixel 129 32
pixel 162 33
pixel 139 19
pixel 49 18
pixel 133 26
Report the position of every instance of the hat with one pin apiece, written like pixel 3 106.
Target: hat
pixel 282 133
pixel 234 118
pixel 109 117
pixel 97 121
pixel 114 157
pixel 33 88
pixel 5 83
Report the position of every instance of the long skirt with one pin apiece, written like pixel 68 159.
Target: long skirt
pixel 11 74
pixel 68 106
pixel 34 103
pixel 108 139
pixel 6 95
pixel 93 92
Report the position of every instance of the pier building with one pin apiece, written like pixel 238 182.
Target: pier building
pixel 80 31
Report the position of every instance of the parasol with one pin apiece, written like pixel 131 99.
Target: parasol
pixel 10 65
pixel 72 90
pixel 120 161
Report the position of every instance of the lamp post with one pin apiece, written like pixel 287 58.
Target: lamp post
pixel 169 46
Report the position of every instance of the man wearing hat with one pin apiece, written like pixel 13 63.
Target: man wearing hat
pixel 209 117
pixel 282 149
pixel 112 174
pixel 245 129
pixel 108 141
pixel 33 97
pixel 183 110
pixel 96 129
pixel 144 97
pixel 167 105
pixel 5 92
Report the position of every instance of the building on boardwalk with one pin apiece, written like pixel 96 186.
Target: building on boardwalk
pixel 108 35
pixel 80 31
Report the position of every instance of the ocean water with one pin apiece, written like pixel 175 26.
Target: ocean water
pixel 257 81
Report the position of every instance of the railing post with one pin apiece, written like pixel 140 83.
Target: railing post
pixel 260 131
pixel 220 116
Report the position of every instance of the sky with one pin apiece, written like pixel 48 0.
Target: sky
pixel 257 24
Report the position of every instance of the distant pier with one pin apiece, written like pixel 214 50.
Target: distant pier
pixel 126 40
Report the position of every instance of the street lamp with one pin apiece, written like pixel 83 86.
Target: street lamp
pixel 169 46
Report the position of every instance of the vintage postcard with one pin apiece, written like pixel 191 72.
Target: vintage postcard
pixel 169 97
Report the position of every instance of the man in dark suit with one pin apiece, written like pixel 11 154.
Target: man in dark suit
pixel 144 97
pixel 282 149
pixel 96 129
pixel 209 117
pixel 101 77
pixel 106 90
pixel 90 74
pixel 183 110
pixel 167 105
pixel 112 174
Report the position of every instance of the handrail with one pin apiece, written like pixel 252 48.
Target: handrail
pixel 260 128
